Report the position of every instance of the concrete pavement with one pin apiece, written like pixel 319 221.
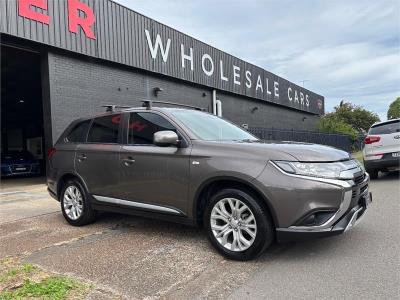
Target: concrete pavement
pixel 24 198
pixel 141 258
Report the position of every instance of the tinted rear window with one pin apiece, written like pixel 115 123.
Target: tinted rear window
pixel 78 133
pixel 104 130
pixel 386 128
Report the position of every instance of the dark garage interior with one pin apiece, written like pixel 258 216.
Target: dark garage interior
pixel 22 137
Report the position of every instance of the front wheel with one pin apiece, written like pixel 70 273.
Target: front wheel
pixel 238 226
pixel 75 206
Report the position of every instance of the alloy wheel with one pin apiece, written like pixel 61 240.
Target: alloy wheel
pixel 73 202
pixel 233 224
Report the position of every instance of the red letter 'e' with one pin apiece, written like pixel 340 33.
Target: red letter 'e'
pixel 74 20
pixel 24 10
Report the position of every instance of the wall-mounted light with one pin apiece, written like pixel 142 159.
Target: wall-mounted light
pixel 304 118
pixel 254 109
pixel 21 101
pixel 204 94
pixel 157 90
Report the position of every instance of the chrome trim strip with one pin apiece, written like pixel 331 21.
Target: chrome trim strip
pixel 353 219
pixel 340 183
pixel 138 205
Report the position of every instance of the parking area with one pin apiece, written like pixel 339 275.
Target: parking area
pixel 138 258
pixel 24 198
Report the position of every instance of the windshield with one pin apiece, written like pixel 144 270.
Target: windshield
pixel 211 128
pixel 16 155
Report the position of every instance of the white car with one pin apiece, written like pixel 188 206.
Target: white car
pixel 382 148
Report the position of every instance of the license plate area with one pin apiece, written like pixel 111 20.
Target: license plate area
pixel 396 154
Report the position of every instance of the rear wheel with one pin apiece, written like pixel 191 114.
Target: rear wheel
pixel 373 173
pixel 237 225
pixel 75 207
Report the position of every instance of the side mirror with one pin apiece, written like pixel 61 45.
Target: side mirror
pixel 165 138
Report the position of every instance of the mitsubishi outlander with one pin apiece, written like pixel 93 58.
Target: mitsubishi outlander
pixel 192 167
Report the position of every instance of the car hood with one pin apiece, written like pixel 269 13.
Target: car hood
pixel 273 150
pixel 309 152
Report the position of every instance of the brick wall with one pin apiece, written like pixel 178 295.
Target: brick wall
pixel 79 86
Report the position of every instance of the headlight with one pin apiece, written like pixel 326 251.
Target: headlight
pixel 334 170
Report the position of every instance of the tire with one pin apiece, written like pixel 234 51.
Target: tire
pixel 69 204
pixel 373 174
pixel 223 239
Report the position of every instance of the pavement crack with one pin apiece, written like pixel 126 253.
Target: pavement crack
pixel 89 237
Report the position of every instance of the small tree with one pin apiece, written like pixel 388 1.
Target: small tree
pixel 356 116
pixel 332 124
pixel 394 109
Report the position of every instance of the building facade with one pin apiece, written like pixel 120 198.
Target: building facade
pixel 97 52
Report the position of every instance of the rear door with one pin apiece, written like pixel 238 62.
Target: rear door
pixel 97 160
pixel 389 134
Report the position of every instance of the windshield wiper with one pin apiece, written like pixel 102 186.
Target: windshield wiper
pixel 248 141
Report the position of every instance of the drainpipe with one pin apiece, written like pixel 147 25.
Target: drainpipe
pixel 219 108
pixel 214 102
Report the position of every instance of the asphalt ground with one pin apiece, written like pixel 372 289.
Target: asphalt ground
pixel 138 258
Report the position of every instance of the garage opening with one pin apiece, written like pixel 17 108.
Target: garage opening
pixel 22 131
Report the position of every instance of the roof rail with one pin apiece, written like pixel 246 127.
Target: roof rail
pixel 112 107
pixel 148 104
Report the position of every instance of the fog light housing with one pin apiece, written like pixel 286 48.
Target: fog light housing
pixel 316 218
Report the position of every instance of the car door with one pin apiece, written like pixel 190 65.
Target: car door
pixel 97 160
pixel 150 174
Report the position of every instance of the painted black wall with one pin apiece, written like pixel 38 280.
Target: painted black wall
pixel 78 86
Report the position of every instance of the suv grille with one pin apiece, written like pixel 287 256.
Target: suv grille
pixel 363 189
pixel 359 179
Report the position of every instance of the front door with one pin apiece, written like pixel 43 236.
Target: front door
pixel 97 160
pixel 150 174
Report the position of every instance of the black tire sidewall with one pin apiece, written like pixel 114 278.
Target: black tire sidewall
pixel 373 173
pixel 265 230
pixel 86 209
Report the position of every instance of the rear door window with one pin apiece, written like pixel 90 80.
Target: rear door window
pixel 142 127
pixel 386 128
pixel 78 133
pixel 104 130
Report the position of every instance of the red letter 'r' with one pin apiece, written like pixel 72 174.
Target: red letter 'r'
pixel 24 10
pixel 74 20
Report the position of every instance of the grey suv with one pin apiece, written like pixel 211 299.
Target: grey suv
pixel 195 168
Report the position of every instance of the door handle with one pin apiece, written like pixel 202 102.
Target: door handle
pixel 128 161
pixel 82 157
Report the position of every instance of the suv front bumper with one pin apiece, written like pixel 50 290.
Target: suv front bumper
pixel 346 222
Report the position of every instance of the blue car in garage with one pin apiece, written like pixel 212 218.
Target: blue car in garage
pixel 16 163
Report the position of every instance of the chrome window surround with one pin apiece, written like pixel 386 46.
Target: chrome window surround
pixel 347 186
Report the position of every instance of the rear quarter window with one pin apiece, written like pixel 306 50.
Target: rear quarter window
pixel 78 133
pixel 386 128
pixel 104 130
